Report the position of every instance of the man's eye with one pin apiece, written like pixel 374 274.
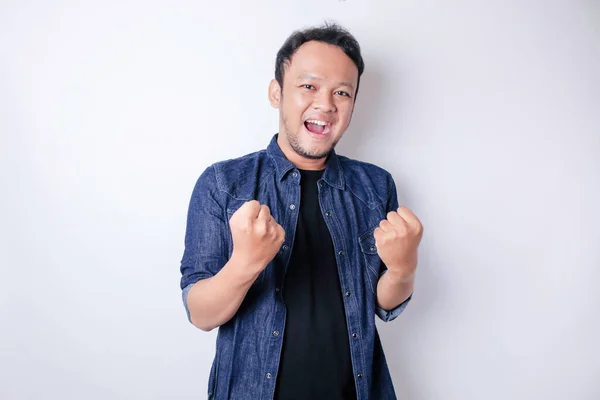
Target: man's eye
pixel 343 93
pixel 307 86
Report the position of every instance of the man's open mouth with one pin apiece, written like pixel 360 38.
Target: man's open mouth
pixel 317 126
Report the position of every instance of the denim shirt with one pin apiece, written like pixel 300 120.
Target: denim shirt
pixel 354 197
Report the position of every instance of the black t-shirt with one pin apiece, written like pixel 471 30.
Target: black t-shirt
pixel 315 360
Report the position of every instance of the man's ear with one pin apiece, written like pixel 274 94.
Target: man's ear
pixel 274 93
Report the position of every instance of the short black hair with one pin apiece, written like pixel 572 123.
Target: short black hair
pixel 329 33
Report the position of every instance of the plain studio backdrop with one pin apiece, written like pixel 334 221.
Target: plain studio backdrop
pixel 487 113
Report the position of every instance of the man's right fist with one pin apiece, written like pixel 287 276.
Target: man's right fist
pixel 257 237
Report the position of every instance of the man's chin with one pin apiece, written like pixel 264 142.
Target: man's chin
pixel 315 156
pixel 313 153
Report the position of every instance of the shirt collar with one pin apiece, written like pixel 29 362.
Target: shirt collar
pixel 333 175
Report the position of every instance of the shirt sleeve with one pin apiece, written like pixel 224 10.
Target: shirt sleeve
pixel 392 205
pixel 206 235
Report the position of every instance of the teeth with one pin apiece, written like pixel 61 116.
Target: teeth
pixel 316 122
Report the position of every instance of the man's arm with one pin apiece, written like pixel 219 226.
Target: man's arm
pixel 213 285
pixel 397 240
pixel 393 290
pixel 214 301
pixel 256 240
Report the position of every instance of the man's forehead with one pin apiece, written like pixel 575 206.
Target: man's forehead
pixel 319 61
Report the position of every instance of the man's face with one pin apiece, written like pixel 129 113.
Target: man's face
pixel 317 100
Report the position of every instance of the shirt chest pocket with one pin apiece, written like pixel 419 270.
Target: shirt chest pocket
pixel 368 250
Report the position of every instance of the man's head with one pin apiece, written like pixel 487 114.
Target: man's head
pixel 317 72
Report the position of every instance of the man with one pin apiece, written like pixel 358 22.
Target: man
pixel 291 251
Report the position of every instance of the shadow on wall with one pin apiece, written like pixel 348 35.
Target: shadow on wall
pixel 378 124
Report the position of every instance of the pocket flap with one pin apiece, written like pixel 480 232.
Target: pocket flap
pixel 367 242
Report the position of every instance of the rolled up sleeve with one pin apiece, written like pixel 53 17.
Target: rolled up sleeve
pixel 206 236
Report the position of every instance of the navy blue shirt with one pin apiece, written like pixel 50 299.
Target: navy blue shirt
pixel 354 197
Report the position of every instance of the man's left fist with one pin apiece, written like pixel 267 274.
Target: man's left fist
pixel 397 239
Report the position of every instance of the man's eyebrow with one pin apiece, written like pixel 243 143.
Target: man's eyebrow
pixel 309 76
pixel 315 78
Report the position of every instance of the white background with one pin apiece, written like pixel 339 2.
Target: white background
pixel 487 114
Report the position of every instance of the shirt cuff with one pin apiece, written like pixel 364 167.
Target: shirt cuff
pixel 184 295
pixel 387 316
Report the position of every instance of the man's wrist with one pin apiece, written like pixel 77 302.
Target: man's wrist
pixel 400 278
pixel 244 270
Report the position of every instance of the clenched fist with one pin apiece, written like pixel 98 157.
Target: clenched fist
pixel 397 239
pixel 257 237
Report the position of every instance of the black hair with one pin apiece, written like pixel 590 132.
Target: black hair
pixel 329 33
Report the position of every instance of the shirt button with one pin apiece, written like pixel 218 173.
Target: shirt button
pixel 321 183
pixel 285 247
pixel 373 248
pixel 275 333
pixel 341 253
pixel 292 206
pixel 294 174
pixel 354 335
pixel 347 294
pixel 360 376
pixel 277 289
pixel 328 213
pixel 269 376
